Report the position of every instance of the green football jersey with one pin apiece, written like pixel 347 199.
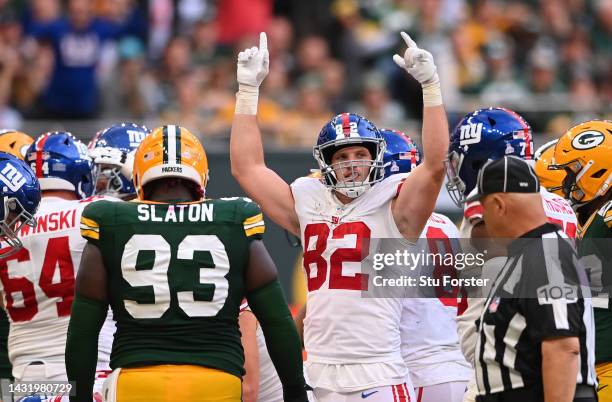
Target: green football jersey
pixel 596 239
pixel 175 278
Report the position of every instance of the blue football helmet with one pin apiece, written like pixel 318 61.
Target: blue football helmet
pixel 61 162
pixel 20 195
pixel 112 151
pixel 402 155
pixel 345 130
pixel 483 135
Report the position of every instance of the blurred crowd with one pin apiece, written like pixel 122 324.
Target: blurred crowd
pixel 162 61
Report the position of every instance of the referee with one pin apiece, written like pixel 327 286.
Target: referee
pixel 536 333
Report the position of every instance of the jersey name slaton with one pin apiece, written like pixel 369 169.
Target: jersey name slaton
pixel 176 213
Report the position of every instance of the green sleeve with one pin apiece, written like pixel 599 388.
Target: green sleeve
pixel 282 340
pixel 86 320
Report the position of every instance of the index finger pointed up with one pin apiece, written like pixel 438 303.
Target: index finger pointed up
pixel 408 40
pixel 263 41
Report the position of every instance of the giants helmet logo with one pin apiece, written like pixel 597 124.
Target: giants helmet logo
pixel 11 177
pixel 470 134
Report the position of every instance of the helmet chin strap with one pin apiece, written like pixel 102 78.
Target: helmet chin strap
pixel 605 186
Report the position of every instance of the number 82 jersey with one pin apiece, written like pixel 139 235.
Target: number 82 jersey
pixel 175 278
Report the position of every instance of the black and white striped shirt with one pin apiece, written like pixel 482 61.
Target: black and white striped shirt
pixel 541 292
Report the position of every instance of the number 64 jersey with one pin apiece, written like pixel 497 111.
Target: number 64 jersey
pixel 175 278
pixel 353 342
pixel 37 285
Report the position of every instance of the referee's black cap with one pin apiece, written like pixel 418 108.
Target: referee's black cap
pixel 505 175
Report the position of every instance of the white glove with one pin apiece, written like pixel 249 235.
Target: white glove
pixel 419 63
pixel 254 63
pixel 253 67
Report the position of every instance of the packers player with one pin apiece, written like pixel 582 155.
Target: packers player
pixel 584 152
pixel 174 267
pixel 550 178
pixel 15 142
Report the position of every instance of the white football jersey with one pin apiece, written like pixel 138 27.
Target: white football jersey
pixel 270 386
pixel 353 342
pixel 558 211
pixel 37 285
pixel 430 345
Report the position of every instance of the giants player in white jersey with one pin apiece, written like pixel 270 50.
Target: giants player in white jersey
pixel 353 343
pixel 37 282
pixel 430 346
pixel 489 134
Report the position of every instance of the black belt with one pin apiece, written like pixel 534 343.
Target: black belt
pixel 532 394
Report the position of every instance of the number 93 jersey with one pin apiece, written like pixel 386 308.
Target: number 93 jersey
pixel 175 278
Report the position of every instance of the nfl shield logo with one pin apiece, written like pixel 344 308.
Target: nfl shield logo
pixel 335 220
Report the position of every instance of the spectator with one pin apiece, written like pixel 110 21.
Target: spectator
pixel 543 71
pixel 312 53
pixel 187 110
pixel 303 123
pixel 239 18
pixel 130 89
pixel 501 85
pixel 333 74
pixel 376 104
pixel 77 42
pixel 204 43
pixel 9 117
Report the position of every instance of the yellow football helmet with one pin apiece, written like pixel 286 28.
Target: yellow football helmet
pixel 15 143
pixel 585 153
pixel 169 151
pixel 551 179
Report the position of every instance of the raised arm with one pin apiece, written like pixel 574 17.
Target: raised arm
pixel 409 211
pixel 262 184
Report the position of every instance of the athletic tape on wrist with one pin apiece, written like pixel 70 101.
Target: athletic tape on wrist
pixel 246 99
pixel 432 95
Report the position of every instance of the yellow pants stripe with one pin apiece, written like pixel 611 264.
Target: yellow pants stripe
pixel 165 383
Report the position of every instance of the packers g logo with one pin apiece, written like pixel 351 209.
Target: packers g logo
pixel 588 139
pixel 11 177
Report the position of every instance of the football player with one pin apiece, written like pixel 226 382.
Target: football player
pixel 430 346
pixel 37 282
pixel 584 153
pixel 483 135
pixel 336 218
pixel 175 267
pixel 15 142
pixel 20 197
pixel 551 178
pixel 112 151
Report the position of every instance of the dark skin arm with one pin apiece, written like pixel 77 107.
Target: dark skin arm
pixel 261 269
pixel 92 281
